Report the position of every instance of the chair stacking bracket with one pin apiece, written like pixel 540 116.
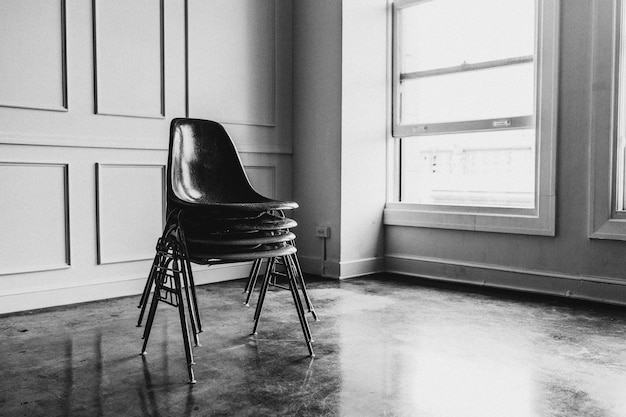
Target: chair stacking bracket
pixel 171 278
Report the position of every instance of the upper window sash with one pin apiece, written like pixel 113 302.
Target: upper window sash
pixel 402 129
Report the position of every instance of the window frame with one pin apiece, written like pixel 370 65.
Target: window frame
pixel 605 221
pixel 539 220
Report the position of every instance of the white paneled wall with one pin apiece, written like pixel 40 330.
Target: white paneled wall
pixel 87 94
pixel 32 46
pixel 129 57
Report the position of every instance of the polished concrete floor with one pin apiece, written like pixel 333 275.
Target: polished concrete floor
pixel 385 345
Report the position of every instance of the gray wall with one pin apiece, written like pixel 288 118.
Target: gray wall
pixel 340 125
pixel 569 263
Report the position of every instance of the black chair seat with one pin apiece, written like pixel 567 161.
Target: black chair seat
pixel 252 239
pixel 203 255
pixel 266 222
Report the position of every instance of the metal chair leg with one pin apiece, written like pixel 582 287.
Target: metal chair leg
pixel 293 286
pixel 162 264
pixel 151 314
pixel 148 287
pixel 145 296
pixel 254 274
pixel 185 284
pixel 170 280
pixel 184 328
pixel 259 304
pixel 252 277
pixel 189 277
pixel 300 278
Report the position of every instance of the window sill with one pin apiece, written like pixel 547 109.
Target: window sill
pixel 528 222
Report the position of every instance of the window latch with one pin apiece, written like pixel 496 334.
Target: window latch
pixel 502 123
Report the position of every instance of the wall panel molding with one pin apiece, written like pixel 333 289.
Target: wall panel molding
pixel 107 142
pixel 129 58
pixel 34 67
pixel 235 81
pixel 130 211
pixel 35 217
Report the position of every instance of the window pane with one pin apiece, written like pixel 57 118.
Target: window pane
pixel 474 95
pixel 468 31
pixel 495 168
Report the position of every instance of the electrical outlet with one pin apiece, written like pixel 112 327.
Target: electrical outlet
pixel 322 231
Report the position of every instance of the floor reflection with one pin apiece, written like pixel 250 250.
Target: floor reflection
pixel 385 347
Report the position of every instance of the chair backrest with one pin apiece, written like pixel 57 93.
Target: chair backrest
pixel 204 166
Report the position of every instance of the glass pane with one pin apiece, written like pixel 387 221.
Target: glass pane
pixel 494 168
pixel 467 31
pixel 474 95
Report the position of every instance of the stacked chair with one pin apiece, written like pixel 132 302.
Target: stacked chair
pixel 215 216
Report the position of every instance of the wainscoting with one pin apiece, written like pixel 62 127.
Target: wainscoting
pixel 85 107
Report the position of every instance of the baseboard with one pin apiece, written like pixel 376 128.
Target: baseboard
pixel 341 270
pixel 590 288
pixel 360 267
pixel 49 296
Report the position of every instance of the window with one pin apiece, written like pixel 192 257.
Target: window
pixel 474 113
pixel 608 141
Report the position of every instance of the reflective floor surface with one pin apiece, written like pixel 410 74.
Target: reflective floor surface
pixel 385 345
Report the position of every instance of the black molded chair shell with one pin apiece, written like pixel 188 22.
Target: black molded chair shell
pixel 253 240
pixel 267 222
pixel 204 170
pixel 200 256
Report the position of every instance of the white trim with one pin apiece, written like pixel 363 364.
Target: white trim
pixel 360 267
pixel 582 287
pixel 56 294
pixel 109 142
pixel 541 220
pixel 341 270
pixel 603 224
